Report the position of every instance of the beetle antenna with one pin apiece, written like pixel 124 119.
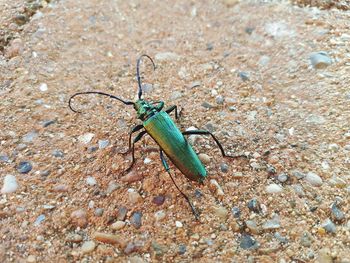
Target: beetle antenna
pixel 99 93
pixel 138 72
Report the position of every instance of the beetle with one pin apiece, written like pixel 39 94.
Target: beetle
pixel 157 123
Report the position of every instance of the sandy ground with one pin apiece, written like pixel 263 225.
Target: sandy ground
pixel 239 69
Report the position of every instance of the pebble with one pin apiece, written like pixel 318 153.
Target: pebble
pixel 118 225
pixel 220 212
pixel 92 149
pixel 109 239
pixel 244 75
pixel 248 242
pixel 337 182
pixel 24 167
pixel 219 99
pixel 337 214
pixel 103 144
pixel 166 56
pixel 230 3
pixel 43 87
pixel 182 249
pixel 254 206
pixel 99 211
pixel 175 95
pixel 86 138
pixel 299 190
pixel 133 247
pixel 39 220
pixel 10 184
pixel 198 193
pixel 30 137
pixel 61 188
pixel 4 158
pixel 329 226
pixel 264 60
pixel 15 48
pixel 272 224
pixel 47 123
pixel 206 105
pixel 324 256
pixel 90 180
pixel 236 212
pixel 216 187
pixel 79 218
pixel 88 246
pixel 273 189
pixel 21 146
pixel 280 238
pixel 134 197
pixel 306 239
pixel 135 219
pixel 313 179
pixel 75 238
pixel 31 259
pixel 298 174
pixel 283 177
pixel 320 60
pixel 204 158
pixel 131 177
pixel 134 259
pixel 147 160
pixel 58 153
pixel 158 200
pixel 159 215
pixel 224 167
pixel 122 212
pixel 252 226
pixel 178 224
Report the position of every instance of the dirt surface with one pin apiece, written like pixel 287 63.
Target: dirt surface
pixel 270 80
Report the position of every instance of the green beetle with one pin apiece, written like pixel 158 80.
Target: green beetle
pixel 158 124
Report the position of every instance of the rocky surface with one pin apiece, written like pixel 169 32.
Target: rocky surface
pixel 269 79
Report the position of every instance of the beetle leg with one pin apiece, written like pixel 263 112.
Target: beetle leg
pixel 202 132
pixel 136 139
pixel 167 168
pixel 133 130
pixel 171 108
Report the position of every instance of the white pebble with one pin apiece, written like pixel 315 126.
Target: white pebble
pixel 86 138
pixel 159 215
pixel 147 160
pixel 43 87
pixel 217 187
pixel 274 188
pixel 91 181
pixel 313 179
pixel 10 184
pixel 178 224
pixel 88 247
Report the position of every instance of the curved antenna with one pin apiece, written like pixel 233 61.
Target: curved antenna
pixel 138 72
pixel 100 93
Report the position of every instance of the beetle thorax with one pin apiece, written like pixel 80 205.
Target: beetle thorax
pixel 144 109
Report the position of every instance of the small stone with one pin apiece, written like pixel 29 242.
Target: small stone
pixel 337 214
pixel 132 247
pixel 207 105
pixel 103 144
pixel 122 212
pixel 220 212
pixel 337 182
pixel 333 147
pixel 313 179
pixel 236 212
pixel 48 123
pixel 24 167
pixel 30 137
pixel 92 149
pixel 158 200
pixel 135 259
pixel 219 100
pixel 175 95
pixel 298 174
pixel 248 242
pixel 4 158
pixel 131 177
pixel 10 184
pixel 61 188
pixel 74 238
pixel 147 160
pixel 273 189
pixel 90 180
pixel 283 177
pixel 118 225
pixel 136 220
pixel 320 60
pixel 254 206
pixel 112 186
pixel 31 259
pixel 178 224
pixel 299 190
pixel 252 226
pixel 214 185
pixel 329 226
pixel 224 167
pixel 86 138
pixel 58 153
pixel 166 56
pixel 280 238
pixel 99 211
pixel 243 75
pixel 272 224
pixel 21 146
pixel 109 239
pixel 324 256
pixel 79 218
pixel 159 215
pixel 43 87
pixel 306 239
pixel 39 220
pixel 198 193
pixel 15 48
pixel 134 197
pixel 182 249
pixel 204 158
pixel 230 3
pixel 88 246
pixel 147 87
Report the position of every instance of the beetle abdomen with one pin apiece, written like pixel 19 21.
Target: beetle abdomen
pixel 164 131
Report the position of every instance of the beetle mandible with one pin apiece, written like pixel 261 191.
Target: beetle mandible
pixel 157 123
